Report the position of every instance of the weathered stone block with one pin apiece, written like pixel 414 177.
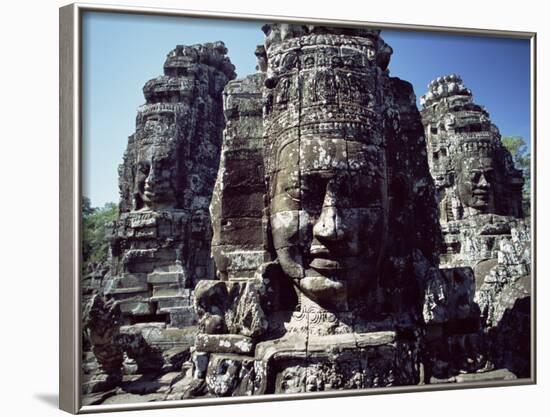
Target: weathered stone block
pixel 224 343
pixel 245 260
pixel 126 284
pixel 450 296
pixel 241 204
pixel 158 335
pixel 135 308
pixel 230 307
pixel 324 363
pixel 164 291
pixel 229 375
pixel 164 277
pixel 182 316
pixel 496 375
pixel 165 305
pixel 168 277
pixel 239 231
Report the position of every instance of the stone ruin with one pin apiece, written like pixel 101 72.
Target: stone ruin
pixel 326 230
pixel 160 245
pixel 479 195
pixel 322 254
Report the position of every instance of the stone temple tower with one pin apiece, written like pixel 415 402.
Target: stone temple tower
pixel 476 181
pixel 161 241
pixel 479 193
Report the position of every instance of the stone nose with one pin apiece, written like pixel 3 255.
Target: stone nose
pixel 329 226
pixel 483 181
pixel 152 177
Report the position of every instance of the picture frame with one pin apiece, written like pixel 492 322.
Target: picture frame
pixel 71 185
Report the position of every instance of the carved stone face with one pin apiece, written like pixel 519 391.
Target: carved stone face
pixel 156 163
pixel 153 181
pixel 371 50
pixel 328 213
pixel 475 183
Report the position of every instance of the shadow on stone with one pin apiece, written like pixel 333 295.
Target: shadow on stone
pixel 146 357
pixel 511 339
pixel 146 384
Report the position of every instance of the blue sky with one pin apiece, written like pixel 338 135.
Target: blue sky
pixel 122 51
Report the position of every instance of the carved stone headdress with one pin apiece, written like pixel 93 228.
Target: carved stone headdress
pixel 482 144
pixel 324 83
pixel 445 86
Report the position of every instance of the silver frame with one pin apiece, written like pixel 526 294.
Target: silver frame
pixel 70 208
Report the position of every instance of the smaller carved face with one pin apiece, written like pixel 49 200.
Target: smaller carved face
pixel 309 62
pixel 476 183
pixel 450 122
pixel 153 185
pixel 371 51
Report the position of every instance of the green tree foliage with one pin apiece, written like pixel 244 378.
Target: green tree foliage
pixel 522 160
pixel 96 222
pixel 87 208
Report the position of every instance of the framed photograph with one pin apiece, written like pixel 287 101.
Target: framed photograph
pixel 259 208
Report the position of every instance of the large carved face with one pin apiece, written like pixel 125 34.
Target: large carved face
pixel 475 183
pixel 154 188
pixel 328 213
